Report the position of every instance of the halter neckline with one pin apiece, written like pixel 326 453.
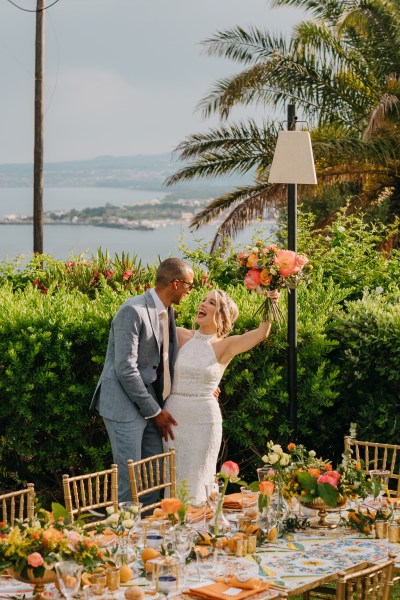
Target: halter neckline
pixel 204 336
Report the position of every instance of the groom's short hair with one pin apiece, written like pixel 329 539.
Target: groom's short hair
pixel 170 269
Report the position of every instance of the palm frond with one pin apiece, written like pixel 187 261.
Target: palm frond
pixel 235 148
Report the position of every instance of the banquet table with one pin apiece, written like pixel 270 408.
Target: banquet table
pixel 292 564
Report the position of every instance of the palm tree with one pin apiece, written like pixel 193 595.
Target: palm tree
pixel 342 69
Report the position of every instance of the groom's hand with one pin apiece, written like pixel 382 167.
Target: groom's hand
pixel 164 422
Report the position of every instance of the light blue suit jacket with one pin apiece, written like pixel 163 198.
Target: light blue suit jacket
pixel 126 388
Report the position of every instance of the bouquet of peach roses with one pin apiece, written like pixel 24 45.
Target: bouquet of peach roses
pixel 268 269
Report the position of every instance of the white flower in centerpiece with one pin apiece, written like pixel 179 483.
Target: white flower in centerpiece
pixel 284 461
pixel 114 518
pixel 273 458
pixel 109 510
pixel 277 448
pixel 312 453
pixel 128 523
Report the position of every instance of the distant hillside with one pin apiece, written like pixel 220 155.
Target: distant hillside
pixel 134 172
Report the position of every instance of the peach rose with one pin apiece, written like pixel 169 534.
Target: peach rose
pixel 171 505
pixel 265 277
pixel 266 488
pixel 74 537
pixel 285 260
pixel 252 261
pixel 241 257
pixel 301 260
pixel 35 560
pixel 291 446
pixel 314 472
pixel 51 535
pixel 252 279
pixel 335 475
pixel 327 479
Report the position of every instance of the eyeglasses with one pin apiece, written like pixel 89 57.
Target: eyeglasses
pixel 189 285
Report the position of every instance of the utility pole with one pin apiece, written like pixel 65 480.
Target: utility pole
pixel 38 143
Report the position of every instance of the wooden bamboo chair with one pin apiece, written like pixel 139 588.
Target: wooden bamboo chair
pixel 378 456
pixel 364 582
pixel 157 473
pixel 91 492
pixel 18 505
pixel 372 583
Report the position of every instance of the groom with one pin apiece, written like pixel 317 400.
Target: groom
pixel 130 393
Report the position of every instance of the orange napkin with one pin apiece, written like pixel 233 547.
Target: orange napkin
pixel 197 514
pixel 236 500
pixel 393 500
pixel 216 591
pixel 253 583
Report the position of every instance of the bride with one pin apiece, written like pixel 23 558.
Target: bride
pixel 203 357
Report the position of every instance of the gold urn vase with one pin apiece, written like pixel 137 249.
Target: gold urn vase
pixel 38 582
pixel 322 508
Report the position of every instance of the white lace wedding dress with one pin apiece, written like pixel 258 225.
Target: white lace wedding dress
pixel 198 435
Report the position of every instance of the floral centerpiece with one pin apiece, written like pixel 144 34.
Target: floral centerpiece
pixel 312 477
pixel 32 547
pixel 269 268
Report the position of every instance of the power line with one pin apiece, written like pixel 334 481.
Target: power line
pixel 33 11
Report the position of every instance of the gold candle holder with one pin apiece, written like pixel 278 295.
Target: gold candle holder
pixel 381 530
pixel 113 578
pixel 394 533
pixel 99 582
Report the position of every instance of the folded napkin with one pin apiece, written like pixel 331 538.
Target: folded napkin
pixel 236 500
pixel 197 514
pixel 253 583
pixel 217 591
pixel 393 500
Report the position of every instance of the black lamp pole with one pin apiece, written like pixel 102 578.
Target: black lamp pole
pixel 292 297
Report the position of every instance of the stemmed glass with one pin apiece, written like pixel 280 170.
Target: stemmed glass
pixel 183 539
pixel 69 577
pixel 383 475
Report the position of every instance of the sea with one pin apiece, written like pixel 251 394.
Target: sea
pixel 66 241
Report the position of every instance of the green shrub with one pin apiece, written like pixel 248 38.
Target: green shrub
pixel 52 348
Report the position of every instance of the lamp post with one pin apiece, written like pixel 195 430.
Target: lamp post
pixel 293 163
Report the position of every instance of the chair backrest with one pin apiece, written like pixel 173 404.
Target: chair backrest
pixel 378 456
pixel 92 491
pixel 18 505
pixel 372 583
pixel 152 474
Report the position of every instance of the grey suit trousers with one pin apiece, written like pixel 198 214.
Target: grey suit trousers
pixel 136 440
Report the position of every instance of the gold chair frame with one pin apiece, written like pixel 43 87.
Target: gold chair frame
pixel 378 456
pixel 366 581
pixel 91 492
pixel 18 505
pixel 372 583
pixel 152 474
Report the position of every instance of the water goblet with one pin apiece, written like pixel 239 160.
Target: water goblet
pixel 183 538
pixel 68 577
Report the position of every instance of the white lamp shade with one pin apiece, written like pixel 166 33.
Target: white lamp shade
pixel 293 160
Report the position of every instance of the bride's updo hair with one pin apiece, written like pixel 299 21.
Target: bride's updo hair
pixel 226 314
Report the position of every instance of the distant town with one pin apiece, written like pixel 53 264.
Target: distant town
pixel 141 172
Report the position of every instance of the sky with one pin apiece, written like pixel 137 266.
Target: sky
pixel 122 77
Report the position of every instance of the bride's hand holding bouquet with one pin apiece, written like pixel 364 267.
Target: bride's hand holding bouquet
pixel 268 270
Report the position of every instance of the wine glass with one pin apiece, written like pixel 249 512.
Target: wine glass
pixel 383 475
pixel 69 577
pixel 183 538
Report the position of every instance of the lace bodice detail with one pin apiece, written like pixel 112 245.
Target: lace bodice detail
pixel 197 371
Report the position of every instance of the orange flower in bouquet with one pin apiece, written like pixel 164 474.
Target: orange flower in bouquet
pixel 269 268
